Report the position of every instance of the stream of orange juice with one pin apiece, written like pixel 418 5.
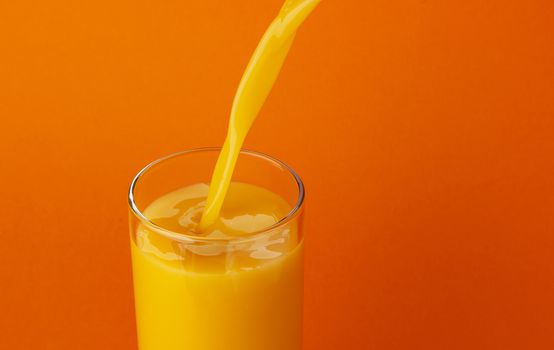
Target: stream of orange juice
pixel 256 82
pixel 215 294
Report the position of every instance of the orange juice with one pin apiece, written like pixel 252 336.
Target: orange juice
pixel 219 267
pixel 227 288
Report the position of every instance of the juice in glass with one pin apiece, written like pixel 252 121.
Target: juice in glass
pixel 238 285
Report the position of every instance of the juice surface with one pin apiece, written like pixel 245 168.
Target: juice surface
pixel 215 294
pixel 256 82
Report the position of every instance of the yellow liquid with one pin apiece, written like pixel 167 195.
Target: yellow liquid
pixel 238 290
pixel 256 82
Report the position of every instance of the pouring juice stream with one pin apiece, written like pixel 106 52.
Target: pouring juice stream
pixel 256 82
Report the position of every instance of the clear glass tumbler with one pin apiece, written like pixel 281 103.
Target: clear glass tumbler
pixel 199 293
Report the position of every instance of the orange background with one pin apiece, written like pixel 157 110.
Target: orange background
pixel 424 131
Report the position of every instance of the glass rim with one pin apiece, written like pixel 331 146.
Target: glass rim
pixel 190 236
